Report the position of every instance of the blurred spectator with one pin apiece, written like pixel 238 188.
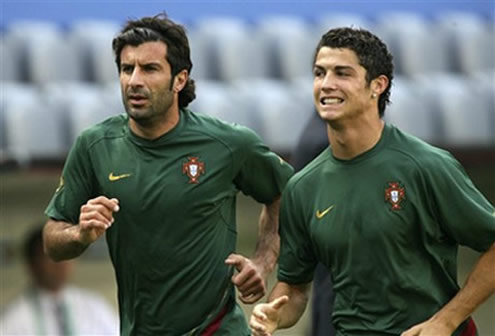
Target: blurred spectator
pixel 49 306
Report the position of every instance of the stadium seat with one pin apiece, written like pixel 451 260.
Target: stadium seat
pixel 9 60
pixel 282 115
pixel 229 49
pixel 33 129
pixel 411 110
pixel 42 52
pixel 83 105
pixel 464 111
pixel 92 40
pixel 220 100
pixel 471 41
pixel 415 46
pixel 288 44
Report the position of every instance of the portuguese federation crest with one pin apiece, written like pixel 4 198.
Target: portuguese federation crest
pixel 395 194
pixel 193 169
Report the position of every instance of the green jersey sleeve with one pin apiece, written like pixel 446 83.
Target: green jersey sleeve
pixel 297 260
pixel 463 212
pixel 259 172
pixel 76 185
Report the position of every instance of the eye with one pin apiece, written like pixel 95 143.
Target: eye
pixel 127 69
pixel 317 72
pixel 150 68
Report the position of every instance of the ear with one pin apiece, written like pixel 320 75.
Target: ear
pixel 180 80
pixel 379 84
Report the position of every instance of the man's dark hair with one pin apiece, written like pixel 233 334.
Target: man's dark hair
pixel 33 244
pixel 372 54
pixel 160 28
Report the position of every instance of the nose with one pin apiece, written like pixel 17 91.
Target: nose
pixel 136 79
pixel 328 82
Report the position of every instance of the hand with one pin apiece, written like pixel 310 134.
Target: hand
pixel 249 280
pixel 266 316
pixel 96 217
pixel 429 328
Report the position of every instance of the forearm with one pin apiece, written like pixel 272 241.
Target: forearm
pixel 291 312
pixel 268 244
pixel 61 240
pixel 479 286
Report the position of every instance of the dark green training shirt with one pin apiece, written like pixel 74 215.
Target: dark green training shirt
pixel 176 224
pixel 387 224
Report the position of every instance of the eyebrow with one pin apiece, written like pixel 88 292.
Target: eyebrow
pixel 337 67
pixel 344 67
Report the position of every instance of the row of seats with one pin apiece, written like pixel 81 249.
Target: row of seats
pixel 230 49
pixel 42 122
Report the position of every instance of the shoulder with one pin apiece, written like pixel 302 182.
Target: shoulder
pixel 112 127
pixel 310 173
pixel 414 150
pixel 16 309
pixel 232 134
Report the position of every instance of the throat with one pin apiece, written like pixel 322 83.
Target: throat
pixel 152 129
pixel 348 143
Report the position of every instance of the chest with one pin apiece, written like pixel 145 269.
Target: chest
pixel 363 209
pixel 165 178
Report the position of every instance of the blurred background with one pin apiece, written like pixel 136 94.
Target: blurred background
pixel 252 65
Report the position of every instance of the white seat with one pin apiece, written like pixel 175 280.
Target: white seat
pixel 228 48
pixel 33 130
pixel 10 68
pixel 282 115
pixel 464 112
pixel 43 52
pixel 288 43
pixel 414 44
pixel 219 99
pixel 93 41
pixel 471 41
pixel 83 105
pixel 411 110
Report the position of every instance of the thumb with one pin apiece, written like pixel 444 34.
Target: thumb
pixel 236 260
pixel 279 302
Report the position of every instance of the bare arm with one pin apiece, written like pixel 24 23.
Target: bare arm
pixel 64 240
pixel 285 307
pixel 61 240
pixel 268 244
pixel 251 279
pixel 479 286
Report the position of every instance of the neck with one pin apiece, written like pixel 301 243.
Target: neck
pixel 156 127
pixel 349 141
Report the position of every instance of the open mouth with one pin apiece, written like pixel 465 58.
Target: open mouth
pixel 331 101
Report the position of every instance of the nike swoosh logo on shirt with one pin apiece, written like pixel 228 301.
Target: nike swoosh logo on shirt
pixel 320 214
pixel 113 177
